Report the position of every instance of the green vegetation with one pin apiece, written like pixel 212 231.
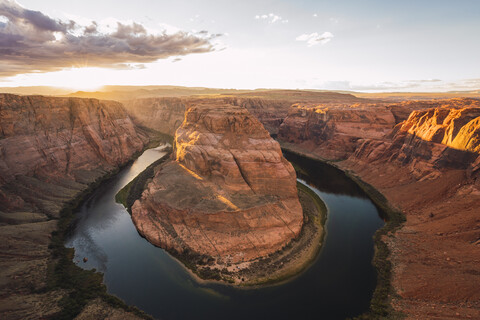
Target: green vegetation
pixel 321 207
pixel 133 190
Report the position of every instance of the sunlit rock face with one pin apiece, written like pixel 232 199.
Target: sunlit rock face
pixel 52 147
pixel 229 193
pixel 446 136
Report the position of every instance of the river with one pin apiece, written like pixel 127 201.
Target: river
pixel 338 284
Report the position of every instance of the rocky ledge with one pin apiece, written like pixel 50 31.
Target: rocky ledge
pixel 228 196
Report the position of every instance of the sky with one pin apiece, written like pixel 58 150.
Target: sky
pixel 370 45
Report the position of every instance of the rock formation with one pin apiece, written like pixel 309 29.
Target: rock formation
pixel 51 149
pixel 229 194
pixel 161 114
pixel 426 162
pixel 446 136
pixel 167 114
pixel 332 130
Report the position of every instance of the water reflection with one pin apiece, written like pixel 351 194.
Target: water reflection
pixel 325 177
pixel 339 284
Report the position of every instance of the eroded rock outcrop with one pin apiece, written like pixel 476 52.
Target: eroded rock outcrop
pixel 167 114
pixel 161 114
pixel 229 193
pixel 429 168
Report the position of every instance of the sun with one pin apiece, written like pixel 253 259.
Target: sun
pixel 75 79
pixel 79 79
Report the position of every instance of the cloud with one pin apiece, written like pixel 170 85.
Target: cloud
pixel 315 15
pixel 31 41
pixel 271 18
pixel 313 39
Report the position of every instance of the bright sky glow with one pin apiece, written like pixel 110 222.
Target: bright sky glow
pixel 371 45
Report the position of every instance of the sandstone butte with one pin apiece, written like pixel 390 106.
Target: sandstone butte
pixel 228 194
pixel 424 157
pixel 51 150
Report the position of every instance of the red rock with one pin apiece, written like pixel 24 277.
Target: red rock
pixel 429 162
pixel 229 193
pixel 333 130
pixel 54 145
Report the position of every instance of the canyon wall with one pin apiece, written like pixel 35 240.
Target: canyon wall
pixel 443 137
pixel 270 107
pixel 51 149
pixel 167 114
pixel 229 194
pixel 332 131
pixel 424 157
pixel 161 114
pixel 270 112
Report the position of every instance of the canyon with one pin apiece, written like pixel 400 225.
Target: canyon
pixel 423 156
pixel 52 149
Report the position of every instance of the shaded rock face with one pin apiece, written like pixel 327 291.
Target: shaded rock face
pixel 50 150
pixel 51 146
pixel 332 131
pixel 228 194
pixel 161 114
pixel 270 113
